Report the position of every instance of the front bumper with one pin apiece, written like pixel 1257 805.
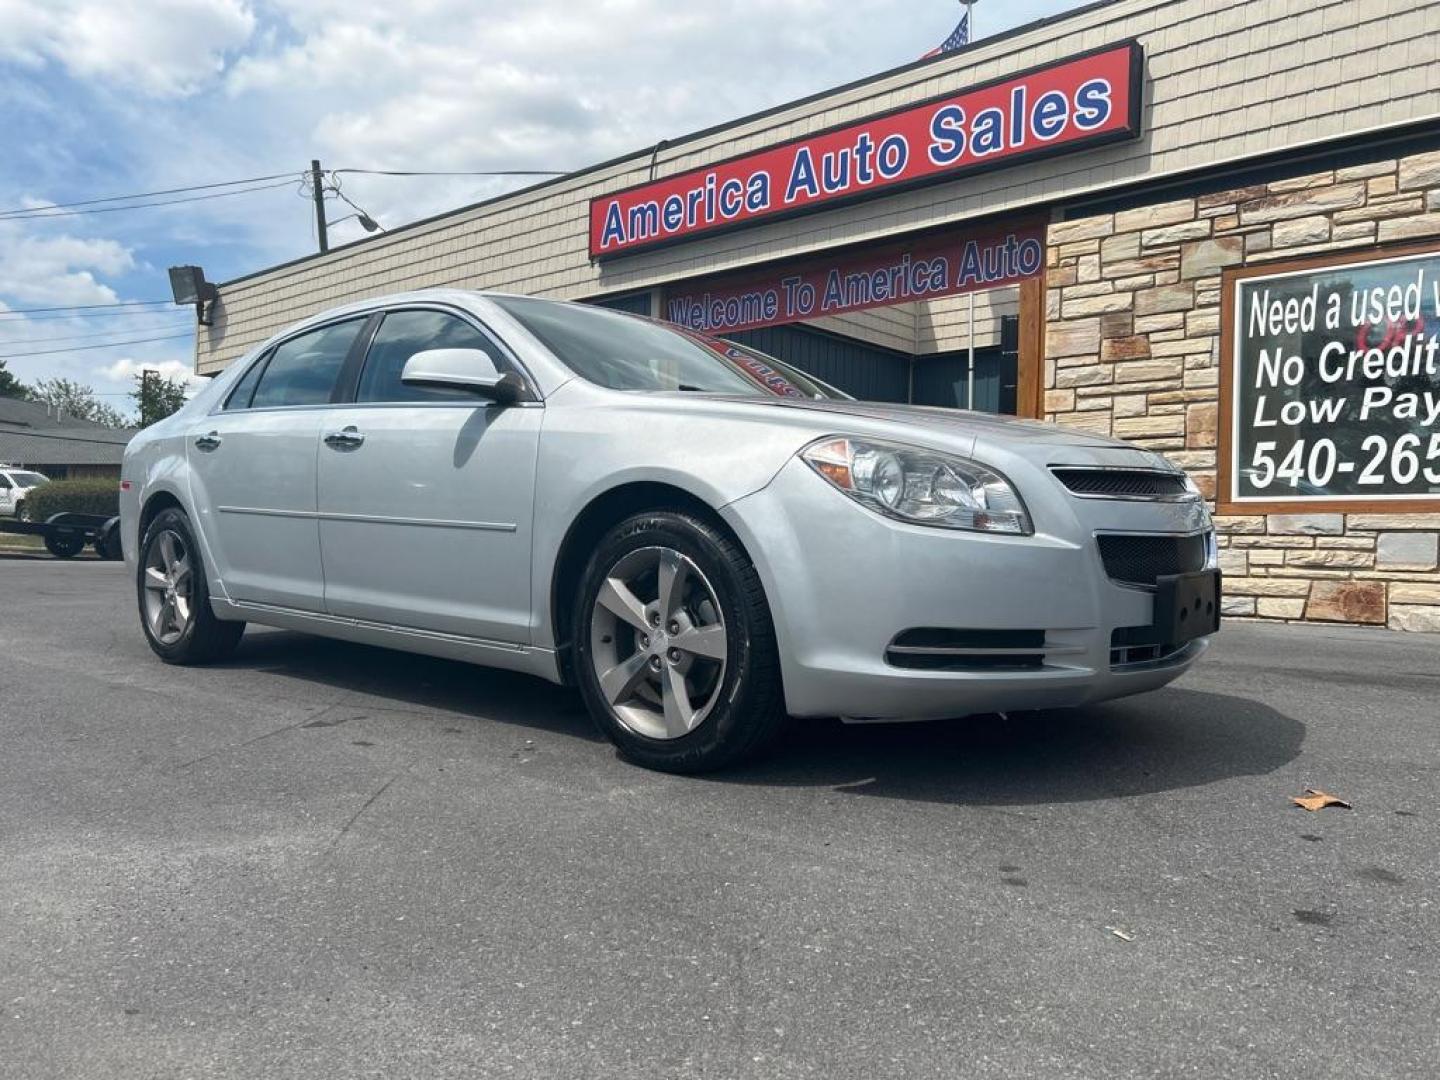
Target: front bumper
pixel 843 582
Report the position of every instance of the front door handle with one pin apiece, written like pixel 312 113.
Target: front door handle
pixel 347 438
pixel 208 442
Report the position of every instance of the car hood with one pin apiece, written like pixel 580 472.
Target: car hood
pixel 987 427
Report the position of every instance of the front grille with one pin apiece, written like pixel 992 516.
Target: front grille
pixel 1139 560
pixel 938 649
pixel 1122 483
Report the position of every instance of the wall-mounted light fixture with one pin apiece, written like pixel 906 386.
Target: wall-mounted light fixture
pixel 188 285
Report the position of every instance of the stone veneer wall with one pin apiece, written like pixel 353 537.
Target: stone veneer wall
pixel 1132 349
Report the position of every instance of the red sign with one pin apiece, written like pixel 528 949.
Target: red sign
pixel 1081 102
pixel 895 274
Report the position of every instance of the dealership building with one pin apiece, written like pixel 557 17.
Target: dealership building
pixel 1212 229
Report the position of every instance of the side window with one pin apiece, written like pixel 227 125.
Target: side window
pixel 401 336
pixel 245 389
pixel 303 370
pixel 5 484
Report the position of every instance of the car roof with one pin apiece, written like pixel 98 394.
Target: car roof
pixel 438 295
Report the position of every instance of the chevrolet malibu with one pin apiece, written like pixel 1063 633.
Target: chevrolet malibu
pixel 699 538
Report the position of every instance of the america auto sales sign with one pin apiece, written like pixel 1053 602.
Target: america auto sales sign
pixel 1082 102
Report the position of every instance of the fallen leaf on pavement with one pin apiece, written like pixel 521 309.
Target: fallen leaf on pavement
pixel 1317 800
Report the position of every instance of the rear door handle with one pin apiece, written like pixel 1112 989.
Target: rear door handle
pixel 347 438
pixel 208 442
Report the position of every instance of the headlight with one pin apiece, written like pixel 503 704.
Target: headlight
pixel 920 486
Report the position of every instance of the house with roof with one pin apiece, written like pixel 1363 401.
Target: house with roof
pixel 34 435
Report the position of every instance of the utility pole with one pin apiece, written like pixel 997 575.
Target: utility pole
pixel 317 186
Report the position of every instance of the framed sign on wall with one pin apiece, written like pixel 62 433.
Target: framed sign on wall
pixel 1330 384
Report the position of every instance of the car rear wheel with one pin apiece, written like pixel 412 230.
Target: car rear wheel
pixel 174 596
pixel 674 647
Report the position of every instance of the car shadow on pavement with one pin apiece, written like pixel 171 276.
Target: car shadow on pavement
pixel 415 683
pixel 1170 739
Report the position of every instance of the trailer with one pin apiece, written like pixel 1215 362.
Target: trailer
pixel 66 535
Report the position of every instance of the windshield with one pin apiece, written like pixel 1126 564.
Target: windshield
pixel 29 479
pixel 629 352
pixel 774 376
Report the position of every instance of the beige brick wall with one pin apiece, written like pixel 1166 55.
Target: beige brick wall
pixel 1224 81
pixel 1133 350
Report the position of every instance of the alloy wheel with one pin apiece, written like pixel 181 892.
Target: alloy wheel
pixel 169 587
pixel 658 643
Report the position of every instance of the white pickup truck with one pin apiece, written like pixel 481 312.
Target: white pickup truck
pixel 15 484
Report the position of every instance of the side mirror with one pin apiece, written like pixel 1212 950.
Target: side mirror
pixel 470 370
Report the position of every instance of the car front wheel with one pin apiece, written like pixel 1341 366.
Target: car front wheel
pixel 174 596
pixel 674 646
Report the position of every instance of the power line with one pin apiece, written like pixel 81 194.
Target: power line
pixel 39 213
pixel 367 220
pixel 87 307
pixel 184 317
pixel 88 348
pixel 148 194
pixel 489 172
pixel 26 319
pixel 256 183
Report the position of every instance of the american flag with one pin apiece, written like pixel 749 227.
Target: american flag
pixel 958 37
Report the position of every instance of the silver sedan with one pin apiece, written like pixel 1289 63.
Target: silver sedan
pixel 697 536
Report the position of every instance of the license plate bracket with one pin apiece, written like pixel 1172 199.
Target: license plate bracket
pixel 1187 606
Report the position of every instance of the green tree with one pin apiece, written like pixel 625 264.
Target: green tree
pixel 10 386
pixel 156 397
pixel 77 400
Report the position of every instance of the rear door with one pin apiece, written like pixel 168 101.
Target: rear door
pixel 252 469
pixel 426 496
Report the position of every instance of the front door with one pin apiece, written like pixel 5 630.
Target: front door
pixel 426 496
pixel 252 469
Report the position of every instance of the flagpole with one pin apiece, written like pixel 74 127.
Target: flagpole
pixel 970 19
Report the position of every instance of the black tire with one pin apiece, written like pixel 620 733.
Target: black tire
pixel 204 638
pixel 64 545
pixel 749 709
pixel 107 545
pixel 21 514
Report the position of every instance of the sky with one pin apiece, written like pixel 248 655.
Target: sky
pixel 113 97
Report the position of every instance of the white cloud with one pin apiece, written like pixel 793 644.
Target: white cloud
pixel 48 271
pixel 41 268
pixel 160 47
pixel 494 85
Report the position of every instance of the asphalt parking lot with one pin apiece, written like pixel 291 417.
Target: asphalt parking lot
pixel 323 860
